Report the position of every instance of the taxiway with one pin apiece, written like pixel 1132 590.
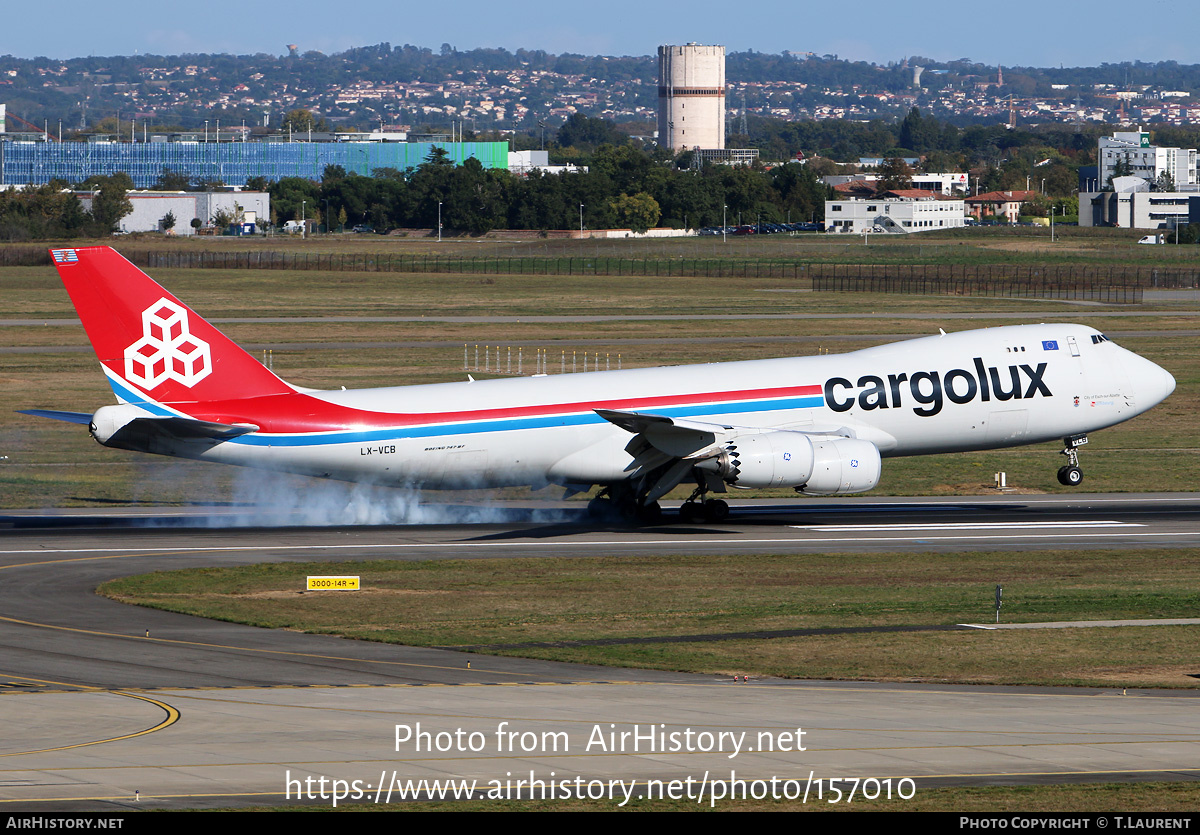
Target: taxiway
pixel 103 700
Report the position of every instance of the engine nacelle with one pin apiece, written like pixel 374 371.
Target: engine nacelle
pixel 768 459
pixel 843 465
pixel 778 458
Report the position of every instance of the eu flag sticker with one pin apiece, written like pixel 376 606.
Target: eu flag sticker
pixel 1049 344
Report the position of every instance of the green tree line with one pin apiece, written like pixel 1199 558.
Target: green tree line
pixel 624 187
pixel 52 211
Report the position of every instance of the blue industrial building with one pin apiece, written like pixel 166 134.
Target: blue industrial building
pixel 39 162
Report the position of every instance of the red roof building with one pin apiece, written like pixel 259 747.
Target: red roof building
pixel 1000 204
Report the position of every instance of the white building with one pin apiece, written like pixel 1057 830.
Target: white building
pixel 947 184
pixel 691 96
pixel 943 183
pixel 523 163
pixel 1145 160
pixel 1134 207
pixel 151 207
pixel 894 215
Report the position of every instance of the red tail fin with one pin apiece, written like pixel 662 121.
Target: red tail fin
pixel 147 338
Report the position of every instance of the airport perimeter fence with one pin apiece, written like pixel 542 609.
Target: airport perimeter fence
pixel 1113 284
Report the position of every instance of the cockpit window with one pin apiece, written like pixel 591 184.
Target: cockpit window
pixel 1097 338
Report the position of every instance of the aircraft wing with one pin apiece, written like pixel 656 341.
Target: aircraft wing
pixel 674 437
pixel 636 422
pixel 666 450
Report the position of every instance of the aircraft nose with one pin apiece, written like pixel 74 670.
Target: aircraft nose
pixel 1152 383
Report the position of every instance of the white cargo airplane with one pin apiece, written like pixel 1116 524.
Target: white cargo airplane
pixel 816 424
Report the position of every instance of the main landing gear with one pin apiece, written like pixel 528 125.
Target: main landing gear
pixel 1071 475
pixel 618 503
pixel 698 509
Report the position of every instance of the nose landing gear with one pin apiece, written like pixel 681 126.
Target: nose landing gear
pixel 1071 475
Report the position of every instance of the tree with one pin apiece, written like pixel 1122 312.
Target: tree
pixel 1121 168
pixel 222 220
pixel 303 121
pixel 1164 182
pixel 822 166
pixel 42 212
pixel 168 222
pixel 289 195
pixel 110 204
pixel 586 133
pixel 894 174
pixel 918 134
pixel 438 156
pixel 171 180
pixel 640 212
pixel 1188 233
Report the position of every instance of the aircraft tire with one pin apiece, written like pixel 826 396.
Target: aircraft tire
pixel 715 510
pixel 691 512
pixel 601 509
pixel 649 514
pixel 1070 476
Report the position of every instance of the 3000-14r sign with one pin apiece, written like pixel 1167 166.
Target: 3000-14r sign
pixel 333 583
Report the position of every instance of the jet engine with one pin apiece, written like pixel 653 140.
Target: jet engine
pixel 817 466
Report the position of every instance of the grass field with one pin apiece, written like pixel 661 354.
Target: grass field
pixel 648 611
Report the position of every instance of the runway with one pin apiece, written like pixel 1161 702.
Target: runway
pixel 103 700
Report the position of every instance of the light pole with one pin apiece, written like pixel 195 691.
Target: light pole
pixel 206 130
pixel 724 225
pixel 1052 224
pixel 303 225
pixel 581 221
pixel 439 223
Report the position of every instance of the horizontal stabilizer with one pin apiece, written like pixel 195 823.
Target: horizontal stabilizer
pixel 188 429
pixel 82 418
pixel 113 426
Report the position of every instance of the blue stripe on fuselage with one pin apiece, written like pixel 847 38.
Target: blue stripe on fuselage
pixel 356 436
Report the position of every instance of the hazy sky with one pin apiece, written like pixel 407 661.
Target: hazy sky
pixel 1018 32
